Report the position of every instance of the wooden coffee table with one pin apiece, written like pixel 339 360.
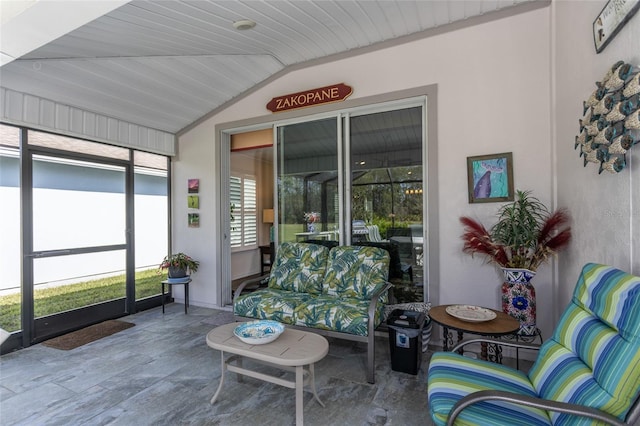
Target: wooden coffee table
pixel 294 350
pixel 502 325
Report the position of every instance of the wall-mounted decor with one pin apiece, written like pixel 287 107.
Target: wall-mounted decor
pixel 490 178
pixel 194 220
pixel 193 201
pixel 193 185
pixel 323 95
pixel 610 124
pixel 611 19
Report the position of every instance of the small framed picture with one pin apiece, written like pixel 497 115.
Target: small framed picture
pixel 490 178
pixel 194 220
pixel 193 185
pixel 193 201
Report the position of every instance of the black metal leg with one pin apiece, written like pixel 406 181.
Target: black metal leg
pixel 162 298
pixel 186 297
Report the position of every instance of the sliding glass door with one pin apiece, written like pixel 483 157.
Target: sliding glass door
pixel 308 187
pixel 357 178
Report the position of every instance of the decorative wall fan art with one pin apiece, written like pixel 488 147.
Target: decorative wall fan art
pixel 610 125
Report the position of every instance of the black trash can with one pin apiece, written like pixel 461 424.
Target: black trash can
pixel 405 340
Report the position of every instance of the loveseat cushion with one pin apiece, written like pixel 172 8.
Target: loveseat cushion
pixel 343 314
pixel 452 376
pixel 277 305
pixel 356 272
pixel 299 267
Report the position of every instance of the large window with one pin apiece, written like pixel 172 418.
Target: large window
pixel 244 211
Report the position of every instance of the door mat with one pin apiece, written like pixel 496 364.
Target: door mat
pixel 87 335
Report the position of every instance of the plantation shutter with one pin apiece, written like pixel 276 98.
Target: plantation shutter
pixel 243 196
pixel 235 197
pixel 250 213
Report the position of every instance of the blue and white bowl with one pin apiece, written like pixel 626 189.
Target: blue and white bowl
pixel 259 332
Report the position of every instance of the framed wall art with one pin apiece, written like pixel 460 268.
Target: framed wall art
pixel 490 178
pixel 193 186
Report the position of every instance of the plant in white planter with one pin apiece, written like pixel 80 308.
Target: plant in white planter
pixel 525 236
pixel 178 265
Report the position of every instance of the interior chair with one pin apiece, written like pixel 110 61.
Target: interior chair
pixel 588 372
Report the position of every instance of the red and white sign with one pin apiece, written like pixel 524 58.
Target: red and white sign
pixel 335 93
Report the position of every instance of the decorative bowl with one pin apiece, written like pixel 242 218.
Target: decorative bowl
pixel 259 332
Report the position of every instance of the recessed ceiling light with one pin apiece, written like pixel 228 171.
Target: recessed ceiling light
pixel 244 24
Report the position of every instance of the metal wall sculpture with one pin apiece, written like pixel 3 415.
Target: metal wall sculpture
pixel 610 125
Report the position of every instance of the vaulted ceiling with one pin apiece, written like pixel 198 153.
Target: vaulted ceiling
pixel 165 64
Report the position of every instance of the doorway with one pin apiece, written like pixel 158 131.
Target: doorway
pixel 354 203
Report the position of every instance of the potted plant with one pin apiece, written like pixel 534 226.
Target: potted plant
pixel 179 265
pixel 526 235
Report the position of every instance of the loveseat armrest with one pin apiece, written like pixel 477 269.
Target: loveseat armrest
pixel 373 303
pixel 243 284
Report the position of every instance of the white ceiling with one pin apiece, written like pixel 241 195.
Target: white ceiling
pixel 165 64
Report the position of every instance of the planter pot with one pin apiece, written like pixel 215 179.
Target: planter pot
pixel 519 298
pixel 177 272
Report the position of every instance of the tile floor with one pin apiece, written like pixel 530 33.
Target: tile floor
pixel 161 372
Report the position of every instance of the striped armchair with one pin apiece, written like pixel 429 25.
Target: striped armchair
pixel 588 372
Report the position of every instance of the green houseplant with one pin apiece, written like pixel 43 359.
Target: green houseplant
pixel 178 265
pixel 525 236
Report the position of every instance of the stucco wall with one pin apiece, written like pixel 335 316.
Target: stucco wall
pixel 606 207
pixel 493 96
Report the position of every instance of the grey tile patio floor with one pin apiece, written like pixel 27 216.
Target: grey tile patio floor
pixel 161 372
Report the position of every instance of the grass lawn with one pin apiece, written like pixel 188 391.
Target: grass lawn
pixel 52 300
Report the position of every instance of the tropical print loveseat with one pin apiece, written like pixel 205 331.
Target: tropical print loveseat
pixel 340 292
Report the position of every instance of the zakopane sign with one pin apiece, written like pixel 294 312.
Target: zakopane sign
pixel 334 93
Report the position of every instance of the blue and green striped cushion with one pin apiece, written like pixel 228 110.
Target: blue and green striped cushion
pixel 593 357
pixel 452 376
pixel 356 271
pixel 299 267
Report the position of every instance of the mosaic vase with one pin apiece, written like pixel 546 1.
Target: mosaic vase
pixel 519 298
pixel 311 228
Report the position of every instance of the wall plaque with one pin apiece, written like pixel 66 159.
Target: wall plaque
pixel 611 19
pixel 323 95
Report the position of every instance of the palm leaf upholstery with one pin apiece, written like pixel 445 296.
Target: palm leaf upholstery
pixel 356 272
pixel 277 305
pixel 344 314
pixel 346 276
pixel 299 267
pixel 592 359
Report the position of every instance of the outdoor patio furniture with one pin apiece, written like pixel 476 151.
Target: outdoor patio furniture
pixel 589 370
pixel 339 292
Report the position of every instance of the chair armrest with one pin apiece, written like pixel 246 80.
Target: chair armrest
pixel 243 284
pixel 501 342
pixel 372 305
pixel 529 401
